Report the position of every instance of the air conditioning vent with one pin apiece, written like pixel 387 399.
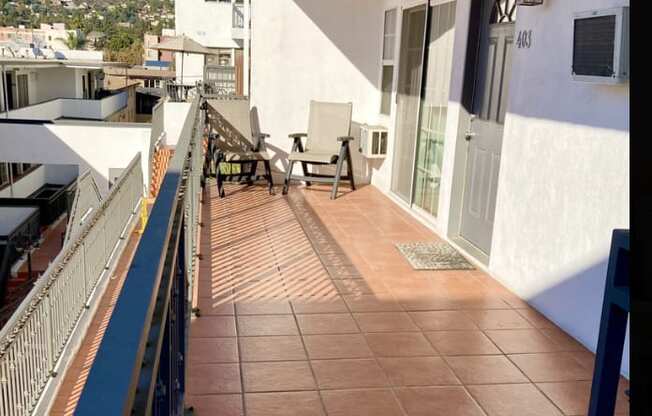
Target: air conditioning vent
pixel 601 45
pixel 373 141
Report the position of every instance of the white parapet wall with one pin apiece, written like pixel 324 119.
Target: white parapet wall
pixel 175 115
pixel 71 108
pixel 96 146
pixel 28 184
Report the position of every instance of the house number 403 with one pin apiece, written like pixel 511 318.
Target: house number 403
pixel 524 39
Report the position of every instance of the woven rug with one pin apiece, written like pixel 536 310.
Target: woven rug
pixel 433 255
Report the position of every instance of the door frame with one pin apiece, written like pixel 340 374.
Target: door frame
pixel 410 205
pixel 407 5
pixel 478 27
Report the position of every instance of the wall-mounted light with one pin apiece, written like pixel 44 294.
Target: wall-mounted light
pixel 529 2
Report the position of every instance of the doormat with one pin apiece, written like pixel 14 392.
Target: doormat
pixel 433 255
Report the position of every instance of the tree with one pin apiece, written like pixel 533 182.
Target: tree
pixel 132 55
pixel 73 41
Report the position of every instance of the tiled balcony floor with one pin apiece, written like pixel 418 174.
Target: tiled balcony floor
pixel 290 327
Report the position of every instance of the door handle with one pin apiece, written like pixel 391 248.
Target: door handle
pixel 470 133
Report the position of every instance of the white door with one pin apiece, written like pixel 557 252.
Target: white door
pixel 486 129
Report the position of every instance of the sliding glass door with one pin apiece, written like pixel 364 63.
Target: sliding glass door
pixel 409 91
pixel 434 106
pixel 423 90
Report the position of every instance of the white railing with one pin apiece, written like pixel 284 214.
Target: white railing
pixel 71 108
pixel 33 341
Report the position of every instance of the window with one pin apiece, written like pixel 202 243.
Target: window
pixel 16 170
pixel 387 74
pixel 4 174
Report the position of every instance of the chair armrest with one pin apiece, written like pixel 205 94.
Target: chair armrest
pixel 297 135
pixel 345 139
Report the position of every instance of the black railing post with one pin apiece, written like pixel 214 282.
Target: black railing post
pixel 613 326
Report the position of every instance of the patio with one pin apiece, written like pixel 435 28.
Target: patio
pixel 307 308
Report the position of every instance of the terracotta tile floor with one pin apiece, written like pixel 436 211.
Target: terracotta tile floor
pixel 366 335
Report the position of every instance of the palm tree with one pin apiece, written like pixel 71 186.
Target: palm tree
pixel 74 41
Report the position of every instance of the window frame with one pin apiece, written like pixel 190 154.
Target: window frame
pixel 384 36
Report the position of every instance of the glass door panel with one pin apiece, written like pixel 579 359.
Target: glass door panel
pixel 409 91
pixel 434 107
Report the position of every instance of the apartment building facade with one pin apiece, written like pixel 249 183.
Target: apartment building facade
pixel 221 25
pixel 497 138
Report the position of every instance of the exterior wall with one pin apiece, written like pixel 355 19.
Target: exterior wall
pixel 211 24
pixel 563 184
pixel 127 112
pixel 97 146
pixel 564 178
pixel 117 107
pixel 25 186
pixel 50 83
pixel 175 117
pixel 207 22
pixel 304 50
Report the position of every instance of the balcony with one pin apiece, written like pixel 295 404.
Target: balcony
pixel 238 21
pixel 72 108
pixel 303 306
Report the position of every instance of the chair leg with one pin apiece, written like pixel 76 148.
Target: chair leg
pixel 349 167
pixel 304 166
pixel 288 176
pixel 268 174
pixel 338 174
pixel 252 177
pixel 220 181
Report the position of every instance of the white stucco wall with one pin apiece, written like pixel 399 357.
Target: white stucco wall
pixel 96 146
pixel 175 117
pixel 26 185
pixel 210 24
pixel 56 83
pixel 325 51
pixel 564 179
pixel 55 174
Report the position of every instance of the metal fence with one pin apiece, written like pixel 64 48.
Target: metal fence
pixel 32 342
pixel 143 351
pixel 219 79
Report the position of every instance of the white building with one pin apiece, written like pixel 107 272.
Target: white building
pixel 60 113
pixel 221 25
pixel 531 188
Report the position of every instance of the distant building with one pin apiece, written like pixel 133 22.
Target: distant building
pixel 46 36
pixel 94 39
pixel 222 26
pixel 154 58
pixel 44 89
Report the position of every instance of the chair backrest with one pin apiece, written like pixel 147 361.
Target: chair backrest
pixel 327 122
pixel 232 123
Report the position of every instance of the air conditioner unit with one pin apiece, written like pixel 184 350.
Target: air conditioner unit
pixel 601 46
pixel 373 141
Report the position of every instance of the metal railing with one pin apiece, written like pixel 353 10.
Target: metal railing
pixel 219 80
pixel 33 341
pixel 177 92
pixel 143 351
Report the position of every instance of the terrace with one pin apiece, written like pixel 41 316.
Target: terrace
pixel 302 305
